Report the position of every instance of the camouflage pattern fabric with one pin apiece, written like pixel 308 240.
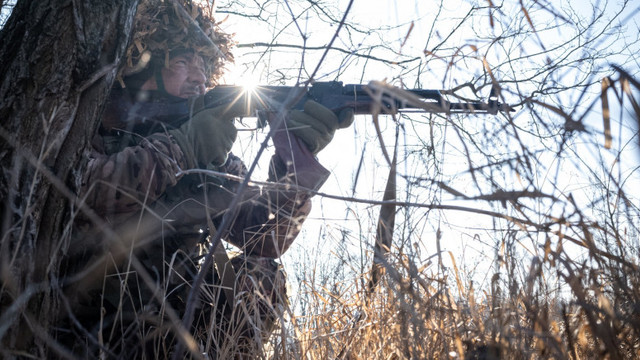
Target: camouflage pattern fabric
pixel 132 183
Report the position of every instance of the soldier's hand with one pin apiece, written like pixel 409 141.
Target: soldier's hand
pixel 317 124
pixel 207 138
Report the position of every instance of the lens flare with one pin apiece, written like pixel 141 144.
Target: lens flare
pixel 249 83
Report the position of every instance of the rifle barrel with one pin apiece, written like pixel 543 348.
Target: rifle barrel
pixel 336 96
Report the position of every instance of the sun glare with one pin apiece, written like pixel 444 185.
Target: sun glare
pixel 248 83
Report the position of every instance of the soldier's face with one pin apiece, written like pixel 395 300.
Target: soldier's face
pixel 185 76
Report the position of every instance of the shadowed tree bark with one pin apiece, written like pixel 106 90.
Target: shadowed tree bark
pixel 58 60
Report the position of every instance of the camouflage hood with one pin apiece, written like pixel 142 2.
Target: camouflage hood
pixel 164 27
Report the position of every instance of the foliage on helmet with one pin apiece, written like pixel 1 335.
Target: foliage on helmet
pixel 163 27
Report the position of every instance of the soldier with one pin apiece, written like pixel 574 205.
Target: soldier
pixel 132 286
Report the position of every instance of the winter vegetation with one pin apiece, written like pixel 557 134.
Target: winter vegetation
pixel 437 236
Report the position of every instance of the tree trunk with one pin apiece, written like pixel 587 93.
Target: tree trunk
pixel 58 61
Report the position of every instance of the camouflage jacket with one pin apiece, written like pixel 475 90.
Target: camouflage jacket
pixel 130 174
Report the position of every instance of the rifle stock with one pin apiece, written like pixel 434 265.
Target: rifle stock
pixel 375 97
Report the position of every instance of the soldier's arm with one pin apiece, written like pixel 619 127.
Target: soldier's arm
pixel 269 222
pixel 137 175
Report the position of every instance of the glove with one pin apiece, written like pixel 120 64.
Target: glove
pixel 207 138
pixel 317 124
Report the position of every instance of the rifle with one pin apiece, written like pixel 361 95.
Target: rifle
pixel 154 114
pixel 362 99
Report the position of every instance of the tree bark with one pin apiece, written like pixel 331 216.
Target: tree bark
pixel 58 61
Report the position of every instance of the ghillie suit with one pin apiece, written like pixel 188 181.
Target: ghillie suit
pixel 131 277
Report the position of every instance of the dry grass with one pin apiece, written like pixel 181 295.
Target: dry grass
pixel 423 315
